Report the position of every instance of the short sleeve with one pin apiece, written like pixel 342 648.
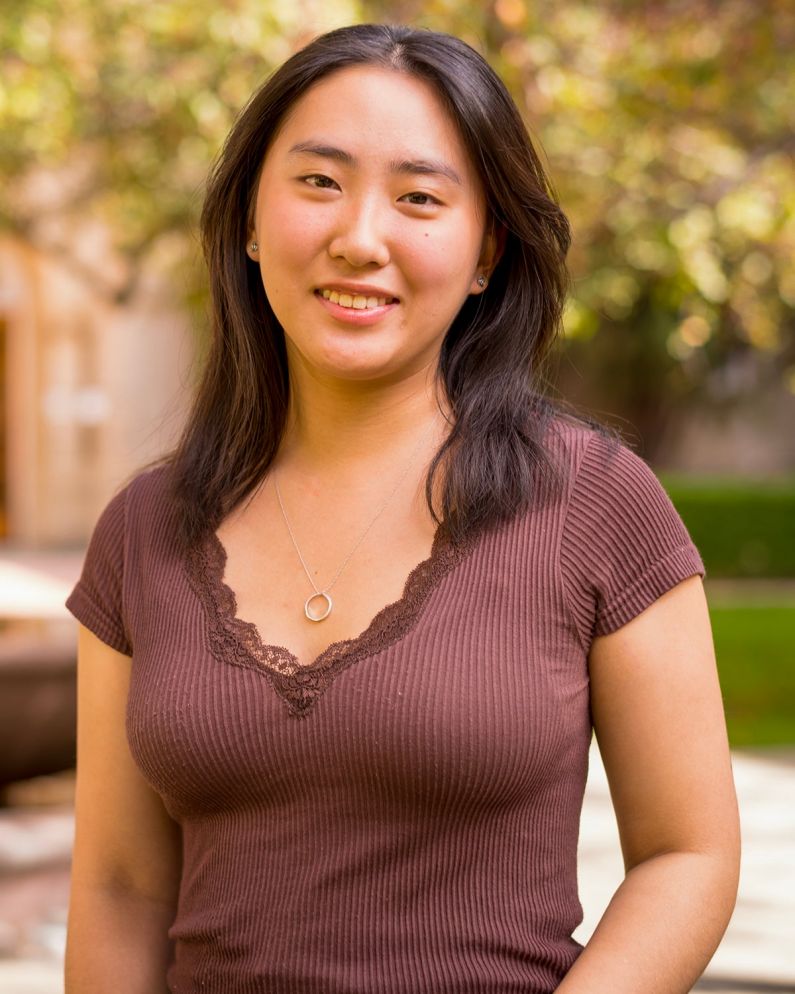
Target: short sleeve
pixel 97 600
pixel 623 543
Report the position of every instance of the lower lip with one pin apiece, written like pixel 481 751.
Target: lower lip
pixel 350 315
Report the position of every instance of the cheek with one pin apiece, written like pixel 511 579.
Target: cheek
pixel 290 231
pixel 446 257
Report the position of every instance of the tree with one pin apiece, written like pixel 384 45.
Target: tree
pixel 667 129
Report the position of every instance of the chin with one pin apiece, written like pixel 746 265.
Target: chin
pixel 354 357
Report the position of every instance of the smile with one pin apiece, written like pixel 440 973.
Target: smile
pixel 356 301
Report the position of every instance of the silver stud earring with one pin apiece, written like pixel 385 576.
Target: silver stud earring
pixel 482 281
pixel 254 247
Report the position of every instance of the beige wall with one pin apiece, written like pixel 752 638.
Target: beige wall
pixel 92 390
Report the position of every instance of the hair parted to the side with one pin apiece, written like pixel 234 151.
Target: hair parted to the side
pixel 492 357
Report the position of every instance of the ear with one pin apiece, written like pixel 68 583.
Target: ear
pixel 490 252
pixel 252 239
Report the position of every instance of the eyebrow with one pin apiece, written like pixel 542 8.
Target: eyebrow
pixel 414 167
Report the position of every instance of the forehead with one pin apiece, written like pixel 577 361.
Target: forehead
pixel 375 112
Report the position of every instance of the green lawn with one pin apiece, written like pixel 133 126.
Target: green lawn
pixel 755 649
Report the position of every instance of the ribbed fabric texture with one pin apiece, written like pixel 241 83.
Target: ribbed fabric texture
pixel 413 830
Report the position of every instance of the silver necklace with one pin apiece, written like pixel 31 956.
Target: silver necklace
pixel 324 593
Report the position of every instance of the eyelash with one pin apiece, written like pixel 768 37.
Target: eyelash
pixel 433 202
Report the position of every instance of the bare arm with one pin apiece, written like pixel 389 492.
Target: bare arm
pixel 127 853
pixel 659 721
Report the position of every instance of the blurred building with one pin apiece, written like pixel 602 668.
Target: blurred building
pixel 92 383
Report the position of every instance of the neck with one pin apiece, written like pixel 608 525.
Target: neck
pixel 333 430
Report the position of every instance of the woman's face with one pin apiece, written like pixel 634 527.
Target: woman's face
pixel 370 221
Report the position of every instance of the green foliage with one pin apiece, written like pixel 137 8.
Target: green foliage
pixel 743 528
pixel 126 103
pixel 667 131
pixel 756 664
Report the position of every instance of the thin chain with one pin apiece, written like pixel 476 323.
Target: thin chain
pixel 367 529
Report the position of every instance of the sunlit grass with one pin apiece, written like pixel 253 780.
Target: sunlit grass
pixel 755 649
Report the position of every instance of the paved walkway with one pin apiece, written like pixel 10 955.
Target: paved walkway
pixel 756 955
pixel 758 951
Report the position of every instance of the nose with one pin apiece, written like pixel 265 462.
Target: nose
pixel 360 236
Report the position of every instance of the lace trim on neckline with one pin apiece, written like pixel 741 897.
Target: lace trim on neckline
pixel 233 640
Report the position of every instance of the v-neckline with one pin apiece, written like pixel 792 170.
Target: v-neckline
pixel 237 641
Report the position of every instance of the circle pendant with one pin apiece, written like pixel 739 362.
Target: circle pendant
pixel 317 617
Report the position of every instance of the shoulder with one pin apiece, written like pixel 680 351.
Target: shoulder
pixel 148 493
pixel 150 483
pixel 624 543
pixel 141 487
pixel 152 516
pixel 603 468
pixel 139 506
pixel 126 543
pixel 578 447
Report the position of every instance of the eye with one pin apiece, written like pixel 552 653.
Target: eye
pixel 429 200
pixel 324 182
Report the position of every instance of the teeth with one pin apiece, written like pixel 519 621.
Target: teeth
pixel 356 300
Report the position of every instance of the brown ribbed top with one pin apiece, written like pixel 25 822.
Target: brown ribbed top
pixel 401 816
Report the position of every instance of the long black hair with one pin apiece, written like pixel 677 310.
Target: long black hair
pixel 491 362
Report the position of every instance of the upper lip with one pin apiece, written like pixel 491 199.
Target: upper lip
pixel 366 289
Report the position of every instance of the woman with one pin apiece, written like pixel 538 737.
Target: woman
pixel 361 623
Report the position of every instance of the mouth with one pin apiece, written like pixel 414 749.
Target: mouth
pixel 355 301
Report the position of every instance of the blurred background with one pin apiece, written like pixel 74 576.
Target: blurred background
pixel 668 130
